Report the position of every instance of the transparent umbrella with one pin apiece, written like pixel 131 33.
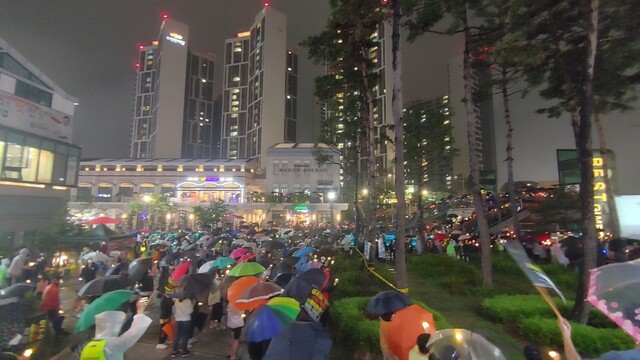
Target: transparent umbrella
pixel 466 345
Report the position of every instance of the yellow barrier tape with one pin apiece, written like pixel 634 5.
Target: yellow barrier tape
pixel 373 271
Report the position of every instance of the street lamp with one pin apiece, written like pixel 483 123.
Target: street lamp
pixel 331 195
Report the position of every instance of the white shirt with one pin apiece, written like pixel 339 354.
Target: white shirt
pixel 182 310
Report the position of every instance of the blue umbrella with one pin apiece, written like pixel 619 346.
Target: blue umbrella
pixel 304 252
pixel 301 341
pixel 386 302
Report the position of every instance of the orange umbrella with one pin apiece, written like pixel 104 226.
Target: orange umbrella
pixel 404 328
pixel 239 286
pixel 257 295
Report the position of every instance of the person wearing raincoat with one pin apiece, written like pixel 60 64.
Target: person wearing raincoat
pixel 4 267
pixel 16 269
pixel 107 345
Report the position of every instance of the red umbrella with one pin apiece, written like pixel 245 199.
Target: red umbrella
pixel 144 231
pixel 180 271
pixel 246 257
pixel 103 220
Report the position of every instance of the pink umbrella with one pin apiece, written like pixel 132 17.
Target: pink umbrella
pixel 144 231
pixel 614 289
pixel 237 253
pixel 246 257
pixel 180 271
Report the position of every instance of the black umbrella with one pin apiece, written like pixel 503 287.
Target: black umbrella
pixel 316 231
pixel 171 257
pixel 17 290
pixel 326 252
pixel 195 286
pixel 273 245
pixel 302 340
pixel 280 268
pixel 282 279
pixel 103 285
pixel 322 243
pixel 291 261
pixel 138 267
pixel 387 302
pixel 301 284
pixel 265 262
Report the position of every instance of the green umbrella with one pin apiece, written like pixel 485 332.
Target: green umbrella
pixel 223 262
pixel 247 269
pixel 107 302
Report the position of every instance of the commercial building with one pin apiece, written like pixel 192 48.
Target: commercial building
pixel 174 102
pixel 110 186
pixel 260 88
pixel 38 161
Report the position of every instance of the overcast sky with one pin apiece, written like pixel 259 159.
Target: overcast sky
pixel 89 49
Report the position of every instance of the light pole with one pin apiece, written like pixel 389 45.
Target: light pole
pixel 331 195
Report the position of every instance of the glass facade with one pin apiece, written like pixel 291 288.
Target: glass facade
pixel 34 159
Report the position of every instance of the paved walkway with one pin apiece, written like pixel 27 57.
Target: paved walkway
pixel 212 344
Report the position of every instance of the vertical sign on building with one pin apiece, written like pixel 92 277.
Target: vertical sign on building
pixel 600 198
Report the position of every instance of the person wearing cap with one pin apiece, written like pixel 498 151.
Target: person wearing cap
pixel 106 344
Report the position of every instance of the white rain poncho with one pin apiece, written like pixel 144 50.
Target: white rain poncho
pixel 108 325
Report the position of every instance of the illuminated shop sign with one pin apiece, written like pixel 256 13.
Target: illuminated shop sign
pixel 301 208
pixel 210 179
pixel 176 39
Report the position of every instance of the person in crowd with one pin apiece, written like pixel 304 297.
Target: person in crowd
pixel 18 265
pixel 145 284
pixel 166 308
pixel 387 354
pixel 235 322
pixel 216 305
pixel 182 309
pixel 421 350
pixel 40 286
pixel 4 277
pixel 532 352
pixel 106 343
pixel 51 305
pixel 89 271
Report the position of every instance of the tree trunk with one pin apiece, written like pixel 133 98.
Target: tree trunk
pixel 401 266
pixel 478 203
pixel 582 133
pixel 370 216
pixel 513 203
pixel 611 200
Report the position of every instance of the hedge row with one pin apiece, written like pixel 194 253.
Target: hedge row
pixel 538 324
pixel 350 326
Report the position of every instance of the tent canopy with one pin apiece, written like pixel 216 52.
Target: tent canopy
pixel 100 233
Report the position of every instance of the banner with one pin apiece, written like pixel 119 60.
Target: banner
pixel 315 304
pixel 533 272
pixel 21 114
pixel 367 250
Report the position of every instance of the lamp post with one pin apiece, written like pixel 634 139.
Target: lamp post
pixel 331 195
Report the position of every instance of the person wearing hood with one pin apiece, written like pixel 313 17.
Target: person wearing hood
pixel 16 269
pixel 107 345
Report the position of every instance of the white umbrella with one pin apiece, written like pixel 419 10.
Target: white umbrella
pixel 206 267
pixel 456 232
pixel 203 240
pixel 239 242
pixel 464 237
pixel 96 256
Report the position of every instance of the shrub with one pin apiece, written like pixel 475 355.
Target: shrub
pixel 588 340
pixel 457 277
pixel 351 327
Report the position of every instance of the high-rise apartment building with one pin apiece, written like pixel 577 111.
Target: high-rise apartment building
pixel 173 108
pixel 260 88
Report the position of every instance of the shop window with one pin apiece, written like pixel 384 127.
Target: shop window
pixel 84 194
pixel 104 193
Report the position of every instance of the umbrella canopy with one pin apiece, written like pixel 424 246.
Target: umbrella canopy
pixel 16 290
pixel 239 242
pixel 405 326
pixel 99 233
pixel 99 286
pixel 246 257
pixel 180 271
pixel 247 269
pixel 138 267
pixel 301 340
pixel 106 302
pixel 223 262
pixel 96 256
pixel 239 286
pixel 195 286
pixel 144 231
pixel 273 245
pixel 304 252
pixel 257 295
pixel 237 253
pixel 386 302
pixel 280 268
pixel 271 319
pixel 291 261
pixel 326 252
pixel 282 279
pixel 467 344
pixel 322 243
pixel 456 232
pixel 207 266
pixel 103 220
pixel 301 284
pixel 614 289
pixel 464 237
